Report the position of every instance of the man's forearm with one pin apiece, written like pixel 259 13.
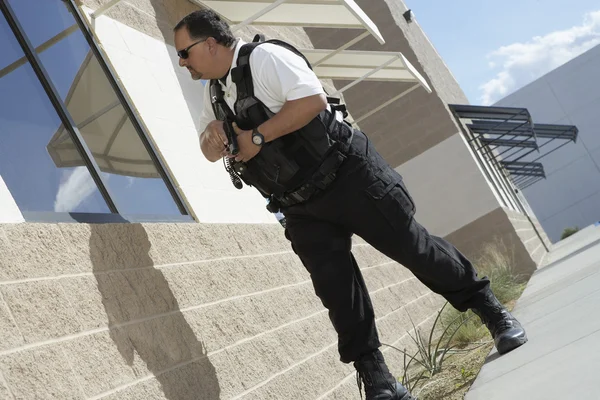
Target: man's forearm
pixel 293 116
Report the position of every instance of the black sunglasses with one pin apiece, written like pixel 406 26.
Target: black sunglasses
pixel 184 53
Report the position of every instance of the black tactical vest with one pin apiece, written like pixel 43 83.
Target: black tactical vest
pixel 290 168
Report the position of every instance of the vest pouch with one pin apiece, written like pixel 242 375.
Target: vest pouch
pixel 275 164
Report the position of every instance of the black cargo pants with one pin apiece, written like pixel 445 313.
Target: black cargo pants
pixel 369 199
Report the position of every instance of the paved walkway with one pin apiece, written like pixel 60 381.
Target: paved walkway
pixel 560 310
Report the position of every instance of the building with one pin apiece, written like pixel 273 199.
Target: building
pixel 131 267
pixel 569 196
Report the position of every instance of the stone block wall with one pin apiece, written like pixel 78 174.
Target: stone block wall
pixel 531 233
pixel 511 232
pixel 180 311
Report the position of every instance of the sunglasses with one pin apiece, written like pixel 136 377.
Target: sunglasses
pixel 184 53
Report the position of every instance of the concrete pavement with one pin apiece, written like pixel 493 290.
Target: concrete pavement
pixel 560 310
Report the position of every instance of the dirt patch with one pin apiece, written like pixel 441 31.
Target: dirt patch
pixel 457 376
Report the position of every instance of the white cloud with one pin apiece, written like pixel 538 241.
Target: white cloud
pixel 522 63
pixel 75 187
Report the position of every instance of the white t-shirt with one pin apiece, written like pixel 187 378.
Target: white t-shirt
pixel 278 75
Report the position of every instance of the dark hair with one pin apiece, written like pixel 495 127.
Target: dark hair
pixel 206 23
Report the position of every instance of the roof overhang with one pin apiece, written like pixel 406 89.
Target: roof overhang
pixel 508 136
pixel 499 114
pixel 345 14
pixel 524 174
pixel 339 64
pixel 357 66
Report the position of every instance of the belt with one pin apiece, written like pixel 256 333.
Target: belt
pixel 318 182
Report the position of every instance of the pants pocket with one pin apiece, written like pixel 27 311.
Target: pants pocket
pixel 389 192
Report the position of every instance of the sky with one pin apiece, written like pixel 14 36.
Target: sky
pixel 28 122
pixel 493 48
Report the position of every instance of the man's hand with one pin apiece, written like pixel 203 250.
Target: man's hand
pixel 247 148
pixel 213 141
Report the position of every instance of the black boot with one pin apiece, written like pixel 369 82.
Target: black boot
pixel 507 332
pixel 379 383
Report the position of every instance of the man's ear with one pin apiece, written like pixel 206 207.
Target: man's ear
pixel 212 45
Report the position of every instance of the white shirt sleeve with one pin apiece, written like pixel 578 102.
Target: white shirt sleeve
pixel 282 75
pixel 207 115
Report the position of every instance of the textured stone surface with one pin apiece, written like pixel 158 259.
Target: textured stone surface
pixel 219 279
pixel 4 391
pixel 97 363
pixel 41 310
pixel 30 250
pixel 86 299
pixel 10 336
pixel 147 390
pixel 43 373
pixel 246 322
pixel 494 228
pixel 223 324
pixel 385 275
pixel 306 380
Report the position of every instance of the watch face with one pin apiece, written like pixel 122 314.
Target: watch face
pixel 257 139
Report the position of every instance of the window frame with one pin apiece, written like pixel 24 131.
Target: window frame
pixel 65 117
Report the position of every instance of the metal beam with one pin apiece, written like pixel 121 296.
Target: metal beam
pixel 256 16
pixel 365 76
pixel 342 48
pixel 104 8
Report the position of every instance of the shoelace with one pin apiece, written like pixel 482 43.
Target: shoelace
pixel 359 384
pixel 360 377
pixel 498 322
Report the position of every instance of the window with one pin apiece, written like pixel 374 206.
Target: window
pixel 69 142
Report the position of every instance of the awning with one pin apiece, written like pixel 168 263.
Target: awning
pixel 103 122
pixel 499 114
pixel 340 63
pixel 524 174
pixel 508 137
pixel 303 13
pixel 358 66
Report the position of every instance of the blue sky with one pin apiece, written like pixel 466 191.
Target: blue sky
pixel 496 47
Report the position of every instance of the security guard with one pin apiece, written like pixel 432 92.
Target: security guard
pixel 267 116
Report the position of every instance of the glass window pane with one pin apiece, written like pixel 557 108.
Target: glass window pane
pixel 130 174
pixel 27 122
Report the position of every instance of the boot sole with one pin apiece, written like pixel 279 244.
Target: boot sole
pixel 510 345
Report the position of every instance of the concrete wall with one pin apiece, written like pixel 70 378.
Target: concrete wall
pixel 510 232
pixel 449 190
pixel 417 122
pixel 9 211
pixel 180 311
pixel 570 94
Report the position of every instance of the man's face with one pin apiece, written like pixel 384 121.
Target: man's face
pixel 200 57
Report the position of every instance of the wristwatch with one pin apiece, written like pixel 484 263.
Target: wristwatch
pixel 257 137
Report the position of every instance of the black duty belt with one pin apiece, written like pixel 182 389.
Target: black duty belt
pixel 319 181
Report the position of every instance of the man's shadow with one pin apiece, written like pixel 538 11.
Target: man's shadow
pixel 144 317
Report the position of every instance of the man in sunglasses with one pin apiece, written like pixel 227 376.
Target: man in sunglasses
pixel 329 182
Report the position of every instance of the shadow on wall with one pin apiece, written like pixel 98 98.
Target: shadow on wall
pixel 168 14
pixel 132 292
